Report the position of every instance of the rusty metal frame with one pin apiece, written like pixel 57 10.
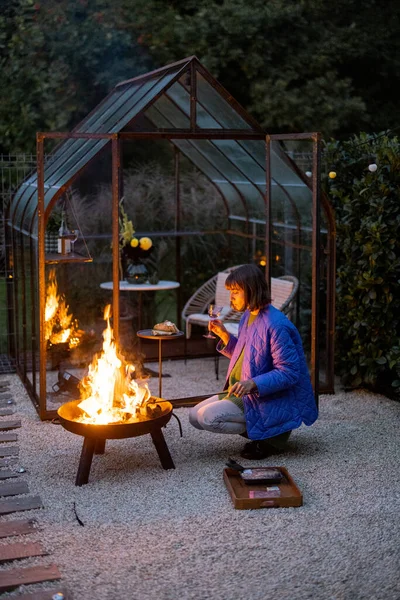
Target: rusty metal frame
pixel 315 138
pixel 116 187
pixel 116 193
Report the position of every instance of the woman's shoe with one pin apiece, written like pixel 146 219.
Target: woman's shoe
pixel 257 450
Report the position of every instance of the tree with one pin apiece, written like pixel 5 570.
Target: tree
pixel 296 65
pixel 60 58
pixel 367 205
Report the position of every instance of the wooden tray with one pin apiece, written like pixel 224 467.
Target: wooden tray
pixel 278 495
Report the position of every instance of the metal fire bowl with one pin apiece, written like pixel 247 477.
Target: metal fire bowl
pixel 140 425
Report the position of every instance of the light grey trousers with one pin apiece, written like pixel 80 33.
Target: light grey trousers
pixel 223 416
pixel 218 416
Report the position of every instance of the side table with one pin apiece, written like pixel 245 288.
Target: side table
pixel 147 334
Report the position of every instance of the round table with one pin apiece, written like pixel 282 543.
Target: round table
pixel 148 335
pixel 124 286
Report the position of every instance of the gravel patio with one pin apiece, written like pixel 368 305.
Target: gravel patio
pixel 154 534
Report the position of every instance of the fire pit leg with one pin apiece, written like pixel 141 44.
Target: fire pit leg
pixel 100 447
pixel 85 462
pixel 162 449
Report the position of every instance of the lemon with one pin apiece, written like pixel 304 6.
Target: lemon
pixel 145 243
pixel 332 174
pixel 134 242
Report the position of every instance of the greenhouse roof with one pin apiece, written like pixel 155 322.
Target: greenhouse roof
pixel 181 102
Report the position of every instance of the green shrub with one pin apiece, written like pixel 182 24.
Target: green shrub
pixel 367 206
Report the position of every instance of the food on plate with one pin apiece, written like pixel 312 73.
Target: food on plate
pixel 165 328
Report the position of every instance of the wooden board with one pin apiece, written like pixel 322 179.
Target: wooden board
pixel 6 462
pixel 6 402
pixel 44 594
pixel 13 578
pixel 6 412
pixel 9 425
pixel 8 437
pixel 14 488
pixel 20 550
pixel 19 527
pixel 17 504
pixel 7 474
pixel 279 495
pixel 9 451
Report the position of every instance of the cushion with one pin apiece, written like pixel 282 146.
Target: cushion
pixel 222 295
pixel 280 291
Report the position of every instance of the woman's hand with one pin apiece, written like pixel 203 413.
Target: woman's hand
pixel 242 388
pixel 217 327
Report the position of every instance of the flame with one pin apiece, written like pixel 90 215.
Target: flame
pixel 59 325
pixel 109 393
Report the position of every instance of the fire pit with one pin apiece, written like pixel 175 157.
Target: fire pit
pixel 95 436
pixel 114 406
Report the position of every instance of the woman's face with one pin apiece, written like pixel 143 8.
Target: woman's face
pixel 237 299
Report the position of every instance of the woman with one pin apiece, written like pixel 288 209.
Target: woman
pixel 269 391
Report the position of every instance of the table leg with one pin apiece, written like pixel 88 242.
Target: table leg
pixel 159 369
pixel 139 311
pixel 85 462
pixel 162 449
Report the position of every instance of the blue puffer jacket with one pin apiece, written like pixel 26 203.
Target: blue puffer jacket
pixel 274 359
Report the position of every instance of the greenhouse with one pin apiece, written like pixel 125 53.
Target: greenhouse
pixel 269 212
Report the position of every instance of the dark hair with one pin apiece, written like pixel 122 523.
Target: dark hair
pixel 252 281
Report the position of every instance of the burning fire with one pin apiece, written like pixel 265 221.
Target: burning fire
pixel 110 394
pixel 60 327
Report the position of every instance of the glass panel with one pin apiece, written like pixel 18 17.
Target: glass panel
pixel 25 306
pixel 112 116
pixel 70 166
pixel 203 117
pixel 109 107
pixel 229 170
pixel 292 234
pixel 19 201
pixel 206 165
pixel 18 299
pixel 324 342
pixel 256 148
pixel 34 342
pixel 281 169
pixel 215 157
pixel 282 198
pixel 146 93
pixel 74 330
pixel 180 96
pixel 254 199
pixel 62 175
pixel 188 149
pixel 242 159
pixel 218 107
pixel 172 116
pixel 204 120
pixel 232 196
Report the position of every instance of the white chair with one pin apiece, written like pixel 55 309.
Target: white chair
pixel 283 296
pixel 212 292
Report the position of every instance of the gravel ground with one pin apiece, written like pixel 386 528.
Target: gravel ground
pixel 154 534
